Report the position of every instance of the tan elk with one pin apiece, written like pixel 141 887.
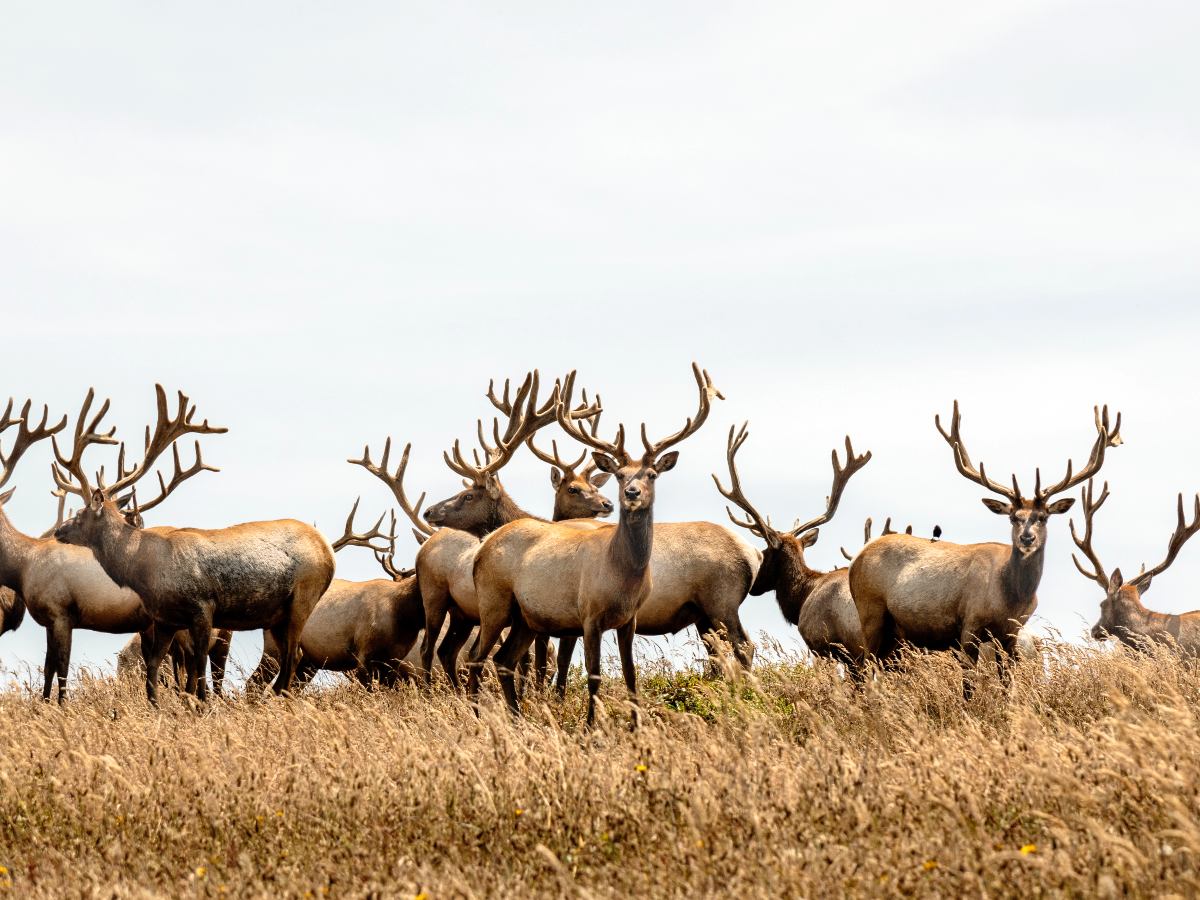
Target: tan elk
pixel 249 576
pixel 937 595
pixel 1122 614
pixel 363 628
pixel 454 527
pixel 817 603
pixel 551 578
pixel 64 587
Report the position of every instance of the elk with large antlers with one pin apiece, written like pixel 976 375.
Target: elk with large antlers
pixel 939 595
pixel 249 576
pixel 365 628
pixel 817 603
pixel 553 579
pixel 455 526
pixel 1122 614
pixel 63 587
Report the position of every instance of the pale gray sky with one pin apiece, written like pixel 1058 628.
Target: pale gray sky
pixel 332 224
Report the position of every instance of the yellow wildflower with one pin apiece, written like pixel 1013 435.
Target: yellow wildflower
pixel 201 871
pixel 421 896
pixel 3 871
pixel 518 812
pixel 1028 848
pixel 929 865
pixel 641 768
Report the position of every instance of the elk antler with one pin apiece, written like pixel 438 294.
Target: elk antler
pixel 1099 573
pixel 1105 437
pixel 756 524
pixel 1183 532
pixel 165 489
pixel 384 555
pixel 568 468
pixel 421 529
pixel 26 436
pixel 87 433
pixel 887 529
pixel 841 476
pixel 591 438
pixel 692 425
pixel 962 460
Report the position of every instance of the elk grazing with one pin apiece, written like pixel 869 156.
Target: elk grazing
pixel 941 595
pixel 817 603
pixel 454 527
pixel 249 576
pixel 551 578
pixel 366 628
pixel 64 587
pixel 1122 614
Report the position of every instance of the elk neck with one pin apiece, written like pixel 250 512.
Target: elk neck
pixel 503 511
pixel 793 580
pixel 632 541
pixel 16 548
pixel 1022 575
pixel 127 553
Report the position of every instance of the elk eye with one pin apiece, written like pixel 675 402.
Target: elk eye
pixel 467 497
pixel 573 490
pixel 1013 519
pixel 652 475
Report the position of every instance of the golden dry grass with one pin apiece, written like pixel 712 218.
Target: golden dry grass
pixel 1083 780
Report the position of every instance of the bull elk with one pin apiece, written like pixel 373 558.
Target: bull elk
pixel 551 578
pixel 64 587
pixel 1122 614
pixel 249 576
pixel 365 628
pixel 451 529
pixel 940 595
pixel 817 603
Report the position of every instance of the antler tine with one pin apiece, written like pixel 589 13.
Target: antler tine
pixel 26 436
pixel 554 460
pixel 179 476
pixel 841 477
pixel 1105 438
pixel 962 459
pixel 351 538
pixel 692 425
pixel 396 483
pixel 68 472
pixel 568 421
pixel 1098 574
pixel 167 430
pixel 1182 534
pixel 757 524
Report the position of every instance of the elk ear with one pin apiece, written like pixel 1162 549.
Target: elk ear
pixel 6 496
pixel 1060 506
pixel 809 538
pixel 600 479
pixel 555 477
pixel 605 463
pixel 999 507
pixel 666 462
pixel 1144 585
pixel 97 501
pixel 1116 580
pixel 491 484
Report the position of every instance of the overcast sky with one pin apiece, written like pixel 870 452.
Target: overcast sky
pixel 331 224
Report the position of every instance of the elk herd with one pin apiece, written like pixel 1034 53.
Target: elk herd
pixel 486 567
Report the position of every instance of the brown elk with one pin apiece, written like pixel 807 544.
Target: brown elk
pixel 940 595
pixel 550 578
pixel 129 658
pixel 64 587
pixel 1122 614
pixel 817 603
pixel 365 628
pixel 454 527
pixel 249 576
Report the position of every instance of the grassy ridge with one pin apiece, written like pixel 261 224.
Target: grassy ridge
pixel 788 783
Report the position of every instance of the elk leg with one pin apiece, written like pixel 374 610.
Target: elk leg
pixel 437 605
pixel 489 633
pixel 218 655
pixel 541 658
pixel 200 633
pixel 58 658
pixel 155 641
pixel 451 647
pixel 287 636
pixel 625 645
pixel 566 649
pixel 268 666
pixel 970 659
pixel 179 663
pixel 513 652
pixel 591 661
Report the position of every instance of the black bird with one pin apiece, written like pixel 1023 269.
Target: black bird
pixel 937 532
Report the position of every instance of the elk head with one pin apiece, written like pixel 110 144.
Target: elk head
pixel 783 560
pixel 636 475
pixel 106 505
pixel 1122 601
pixel 576 490
pixel 1029 516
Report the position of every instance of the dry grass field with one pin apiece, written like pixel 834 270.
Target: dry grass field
pixel 1082 780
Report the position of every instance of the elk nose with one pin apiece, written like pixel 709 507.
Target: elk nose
pixel 608 507
pixel 1027 539
pixel 633 492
